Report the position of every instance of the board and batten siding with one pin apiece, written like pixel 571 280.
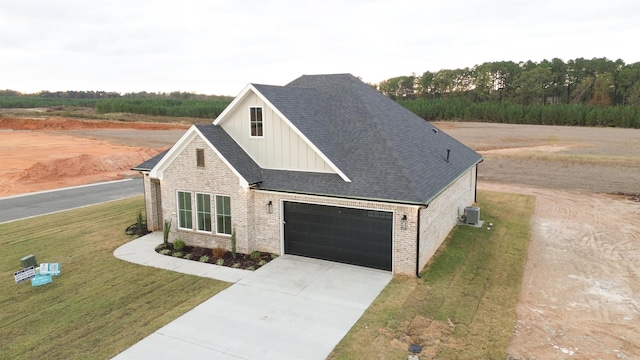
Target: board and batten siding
pixel 280 148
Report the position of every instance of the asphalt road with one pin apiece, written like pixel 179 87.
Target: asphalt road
pixel 29 205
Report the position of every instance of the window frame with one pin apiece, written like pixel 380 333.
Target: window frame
pixel 222 222
pixel 256 124
pixel 200 158
pixel 181 210
pixel 200 212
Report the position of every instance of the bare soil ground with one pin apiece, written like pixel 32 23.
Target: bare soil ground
pixel 581 288
pixel 49 153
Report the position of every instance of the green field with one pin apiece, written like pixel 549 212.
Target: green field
pixel 464 306
pixel 100 305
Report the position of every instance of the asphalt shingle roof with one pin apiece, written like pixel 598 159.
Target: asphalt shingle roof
pixel 388 152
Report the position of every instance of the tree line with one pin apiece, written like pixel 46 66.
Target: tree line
pixel 598 82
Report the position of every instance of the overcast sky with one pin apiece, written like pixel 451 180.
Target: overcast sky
pixel 217 47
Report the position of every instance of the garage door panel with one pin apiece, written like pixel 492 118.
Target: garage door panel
pixel 355 236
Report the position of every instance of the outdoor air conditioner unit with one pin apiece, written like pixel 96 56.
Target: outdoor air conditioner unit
pixel 471 215
pixel 27 261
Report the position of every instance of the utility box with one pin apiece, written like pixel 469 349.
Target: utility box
pixel 472 215
pixel 29 260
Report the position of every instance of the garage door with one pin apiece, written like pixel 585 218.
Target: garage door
pixel 353 236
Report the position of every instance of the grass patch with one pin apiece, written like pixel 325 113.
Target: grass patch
pixel 464 306
pixel 99 305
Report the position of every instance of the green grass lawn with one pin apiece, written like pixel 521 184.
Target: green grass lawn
pixel 464 306
pixel 100 305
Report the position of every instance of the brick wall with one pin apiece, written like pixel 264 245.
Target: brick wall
pixel 258 230
pixel 437 220
pixel 215 178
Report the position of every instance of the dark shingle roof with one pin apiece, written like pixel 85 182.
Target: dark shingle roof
pixel 231 151
pixel 149 164
pixel 387 151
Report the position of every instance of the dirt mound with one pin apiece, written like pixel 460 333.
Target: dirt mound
pixel 59 123
pixel 86 164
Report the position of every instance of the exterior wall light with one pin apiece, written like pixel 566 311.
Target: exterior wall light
pixel 403 222
pixel 270 207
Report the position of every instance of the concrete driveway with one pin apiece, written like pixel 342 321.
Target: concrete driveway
pixel 291 308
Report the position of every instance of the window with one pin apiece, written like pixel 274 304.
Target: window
pixel 203 212
pixel 223 214
pixel 200 157
pixel 256 121
pixel 184 210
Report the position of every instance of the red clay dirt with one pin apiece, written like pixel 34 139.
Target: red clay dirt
pixel 36 154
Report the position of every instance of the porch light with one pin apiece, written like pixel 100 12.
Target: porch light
pixel 403 222
pixel 269 207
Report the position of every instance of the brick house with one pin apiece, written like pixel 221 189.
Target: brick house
pixel 324 167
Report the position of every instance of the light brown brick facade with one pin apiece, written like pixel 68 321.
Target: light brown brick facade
pixel 258 230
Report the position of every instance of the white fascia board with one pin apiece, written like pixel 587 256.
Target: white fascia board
pixel 242 181
pixel 223 115
pixel 241 97
pixel 158 171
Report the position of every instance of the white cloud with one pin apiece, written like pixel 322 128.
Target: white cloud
pixel 216 47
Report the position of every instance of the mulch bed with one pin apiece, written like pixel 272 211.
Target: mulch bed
pixel 241 261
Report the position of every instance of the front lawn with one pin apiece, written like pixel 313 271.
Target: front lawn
pixel 464 306
pixel 99 305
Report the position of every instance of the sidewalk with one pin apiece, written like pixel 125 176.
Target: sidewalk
pixel 142 251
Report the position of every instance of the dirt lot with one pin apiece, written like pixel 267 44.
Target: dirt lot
pixel 580 295
pixel 43 154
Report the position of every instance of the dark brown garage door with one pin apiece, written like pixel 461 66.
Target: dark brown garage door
pixel 353 236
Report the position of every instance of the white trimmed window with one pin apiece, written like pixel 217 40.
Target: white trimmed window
pixel 255 113
pixel 184 210
pixel 223 214
pixel 203 212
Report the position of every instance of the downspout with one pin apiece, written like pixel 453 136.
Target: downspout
pixel 418 242
pixel 475 191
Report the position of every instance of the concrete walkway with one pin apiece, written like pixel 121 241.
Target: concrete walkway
pixel 291 308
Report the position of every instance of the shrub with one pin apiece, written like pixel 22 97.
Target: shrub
pixel 220 262
pixel 255 255
pixel 178 244
pixel 188 256
pixel 218 251
pixel 233 243
pixel 165 232
pixel 177 254
pixel 251 268
pixel 204 258
pixel 235 265
pixel 273 256
pixel 261 263
pixel 142 227
pixel 165 252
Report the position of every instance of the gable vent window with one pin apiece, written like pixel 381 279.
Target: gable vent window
pixel 200 157
pixel 256 121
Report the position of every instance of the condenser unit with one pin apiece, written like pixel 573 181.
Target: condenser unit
pixel 471 215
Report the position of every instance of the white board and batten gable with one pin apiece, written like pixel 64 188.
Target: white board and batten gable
pixel 282 146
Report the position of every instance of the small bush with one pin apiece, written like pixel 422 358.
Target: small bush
pixel 220 262
pixel 188 256
pixel 165 252
pixel 273 256
pixel 261 263
pixel 255 255
pixel 218 251
pixel 204 258
pixel 178 244
pixel 235 265
pixel 177 254
pixel 251 268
